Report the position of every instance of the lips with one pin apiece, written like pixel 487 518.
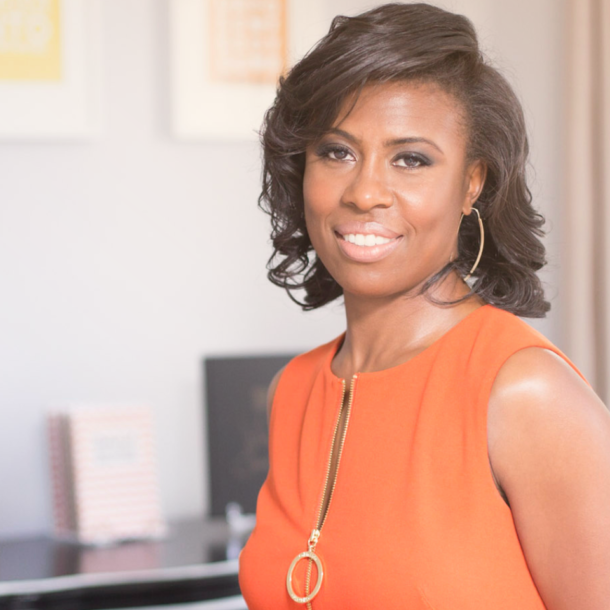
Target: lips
pixel 366 242
pixel 365 228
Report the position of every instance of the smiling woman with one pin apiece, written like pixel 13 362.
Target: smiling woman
pixel 431 50
pixel 440 453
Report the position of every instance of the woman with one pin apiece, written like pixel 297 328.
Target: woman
pixel 441 453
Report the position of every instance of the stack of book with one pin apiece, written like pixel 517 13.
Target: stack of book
pixel 104 475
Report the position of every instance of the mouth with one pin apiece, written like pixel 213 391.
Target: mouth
pixel 365 239
pixel 367 244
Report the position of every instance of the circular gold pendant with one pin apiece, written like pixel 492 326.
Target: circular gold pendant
pixel 316 559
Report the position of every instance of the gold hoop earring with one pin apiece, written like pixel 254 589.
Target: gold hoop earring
pixel 482 231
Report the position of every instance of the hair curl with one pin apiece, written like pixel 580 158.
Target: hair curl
pixel 424 44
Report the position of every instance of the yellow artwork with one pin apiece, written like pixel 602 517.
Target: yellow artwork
pixel 30 40
pixel 247 40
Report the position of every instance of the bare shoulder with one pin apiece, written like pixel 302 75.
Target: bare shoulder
pixel 271 392
pixel 538 398
pixel 549 446
pixel 537 383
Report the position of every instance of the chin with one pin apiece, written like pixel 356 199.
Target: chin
pixel 363 283
pixel 375 288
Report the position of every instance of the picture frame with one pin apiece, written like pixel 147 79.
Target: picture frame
pixel 237 427
pixel 50 69
pixel 223 55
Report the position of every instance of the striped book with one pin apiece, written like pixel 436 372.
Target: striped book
pixel 104 474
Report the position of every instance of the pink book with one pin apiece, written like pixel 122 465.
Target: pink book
pixel 104 472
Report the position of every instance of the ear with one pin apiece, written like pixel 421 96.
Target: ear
pixel 474 181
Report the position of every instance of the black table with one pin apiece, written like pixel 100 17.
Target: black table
pixel 195 562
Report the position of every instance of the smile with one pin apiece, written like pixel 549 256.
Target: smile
pixel 366 248
pixel 366 240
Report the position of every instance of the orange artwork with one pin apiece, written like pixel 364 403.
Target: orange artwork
pixel 247 40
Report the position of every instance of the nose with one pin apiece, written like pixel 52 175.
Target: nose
pixel 368 187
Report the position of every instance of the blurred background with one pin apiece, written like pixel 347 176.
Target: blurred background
pixel 131 246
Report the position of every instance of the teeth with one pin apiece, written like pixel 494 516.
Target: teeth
pixel 366 240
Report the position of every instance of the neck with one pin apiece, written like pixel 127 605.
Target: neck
pixel 384 332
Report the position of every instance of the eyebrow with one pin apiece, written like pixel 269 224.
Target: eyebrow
pixel 387 143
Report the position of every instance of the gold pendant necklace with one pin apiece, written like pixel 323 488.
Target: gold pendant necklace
pixel 315 534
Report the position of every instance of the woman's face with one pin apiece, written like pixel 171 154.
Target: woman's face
pixel 385 188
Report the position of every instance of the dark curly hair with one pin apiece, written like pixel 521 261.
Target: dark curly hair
pixel 420 43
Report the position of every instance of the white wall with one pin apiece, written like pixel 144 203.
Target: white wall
pixel 123 261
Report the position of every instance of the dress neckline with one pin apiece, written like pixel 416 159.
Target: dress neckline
pixel 336 344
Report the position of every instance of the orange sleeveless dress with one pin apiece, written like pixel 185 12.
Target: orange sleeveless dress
pixel 415 520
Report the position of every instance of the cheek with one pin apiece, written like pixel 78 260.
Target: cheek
pixel 432 204
pixel 314 222
pixel 319 192
pixel 320 197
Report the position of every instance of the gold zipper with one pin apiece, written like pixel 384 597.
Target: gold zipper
pixel 320 519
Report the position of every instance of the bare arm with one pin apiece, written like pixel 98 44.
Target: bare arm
pixel 271 393
pixel 549 446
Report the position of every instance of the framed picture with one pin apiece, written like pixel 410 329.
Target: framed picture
pixel 237 429
pixel 50 69
pixel 227 56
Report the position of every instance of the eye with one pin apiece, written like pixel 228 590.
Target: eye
pixel 334 152
pixel 411 160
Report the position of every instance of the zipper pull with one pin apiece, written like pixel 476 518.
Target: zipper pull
pixel 313 540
